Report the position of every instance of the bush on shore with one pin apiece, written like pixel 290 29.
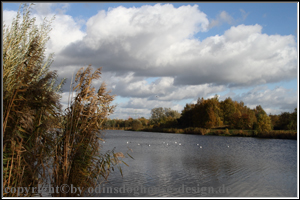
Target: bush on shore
pixel 279 134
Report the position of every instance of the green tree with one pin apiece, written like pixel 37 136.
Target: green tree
pixel 157 115
pixel 207 113
pixel 186 116
pixel 144 121
pixel 136 124
pixel 274 121
pixel 293 123
pixel 228 109
pixel 287 121
pixel 263 123
pixel 172 113
pixel 128 122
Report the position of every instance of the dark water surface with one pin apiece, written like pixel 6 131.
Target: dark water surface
pixel 223 167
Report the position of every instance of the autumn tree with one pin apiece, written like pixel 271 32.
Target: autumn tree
pixel 162 115
pixel 144 121
pixel 285 121
pixel 171 113
pixel 263 123
pixel 128 122
pixel 157 115
pixel 186 116
pixel 136 124
pixel 205 114
pixel 228 109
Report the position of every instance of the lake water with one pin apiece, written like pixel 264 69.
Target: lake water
pixel 223 167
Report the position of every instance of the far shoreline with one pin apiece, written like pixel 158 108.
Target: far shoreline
pixel 274 134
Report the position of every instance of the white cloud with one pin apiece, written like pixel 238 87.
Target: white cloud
pixel 274 101
pixel 162 89
pixel 223 17
pixel 141 107
pixel 244 14
pixel 43 8
pixel 50 8
pixel 226 17
pixel 65 30
pixel 8 16
pixel 158 19
pixel 242 56
pixel 133 44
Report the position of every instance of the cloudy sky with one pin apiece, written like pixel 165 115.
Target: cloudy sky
pixel 169 54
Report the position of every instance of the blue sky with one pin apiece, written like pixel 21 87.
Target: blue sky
pixel 169 54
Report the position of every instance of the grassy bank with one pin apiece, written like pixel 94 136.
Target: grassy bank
pixel 274 134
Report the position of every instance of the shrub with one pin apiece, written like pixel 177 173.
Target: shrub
pixel 136 125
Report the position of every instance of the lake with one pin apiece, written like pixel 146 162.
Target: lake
pixel 181 165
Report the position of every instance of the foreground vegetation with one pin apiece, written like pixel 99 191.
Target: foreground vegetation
pixel 42 144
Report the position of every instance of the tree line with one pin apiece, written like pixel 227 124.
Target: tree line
pixel 212 113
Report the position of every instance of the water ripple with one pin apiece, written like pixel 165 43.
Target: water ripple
pixel 250 167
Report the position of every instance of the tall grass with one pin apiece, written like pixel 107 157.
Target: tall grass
pixel 30 101
pixel 78 159
pixel 40 142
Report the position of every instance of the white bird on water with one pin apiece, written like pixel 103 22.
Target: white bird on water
pixel 197 144
pixel 149 145
pixel 175 142
pixel 179 143
pixel 127 142
pixel 138 144
pixel 200 147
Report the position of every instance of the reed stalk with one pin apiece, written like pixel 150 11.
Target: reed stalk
pixel 40 142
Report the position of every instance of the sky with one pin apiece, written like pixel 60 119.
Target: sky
pixel 170 54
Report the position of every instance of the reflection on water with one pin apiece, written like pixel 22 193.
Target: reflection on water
pixel 247 167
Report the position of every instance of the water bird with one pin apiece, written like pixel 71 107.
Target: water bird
pixel 179 143
pixel 163 142
pixel 175 142
pixel 197 144
pixel 149 145
pixel 200 147
pixel 138 144
pixel 167 144
pixel 103 141
pixel 228 146
pixel 127 142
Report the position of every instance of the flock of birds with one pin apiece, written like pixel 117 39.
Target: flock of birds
pixel 168 144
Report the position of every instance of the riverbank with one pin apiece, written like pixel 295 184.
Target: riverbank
pixel 274 134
